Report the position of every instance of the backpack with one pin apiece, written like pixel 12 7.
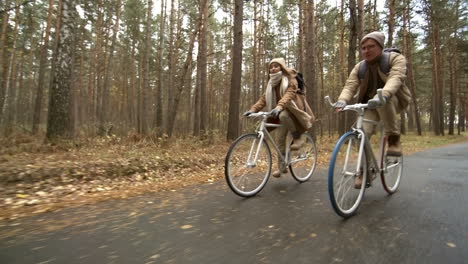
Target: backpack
pixel 384 63
pixel 300 82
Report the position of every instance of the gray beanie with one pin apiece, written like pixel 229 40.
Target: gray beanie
pixel 378 36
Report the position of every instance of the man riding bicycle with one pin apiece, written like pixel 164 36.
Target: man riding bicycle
pixel 395 93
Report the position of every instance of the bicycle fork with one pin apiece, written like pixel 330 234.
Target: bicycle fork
pixel 255 148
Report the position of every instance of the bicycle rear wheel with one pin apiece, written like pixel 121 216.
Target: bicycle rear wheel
pixel 248 165
pixel 343 170
pixel 391 173
pixel 303 161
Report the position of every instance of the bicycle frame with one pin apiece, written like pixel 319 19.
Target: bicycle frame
pixel 262 131
pixel 366 144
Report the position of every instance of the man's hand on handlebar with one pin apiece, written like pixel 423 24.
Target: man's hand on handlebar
pixel 376 102
pixel 339 106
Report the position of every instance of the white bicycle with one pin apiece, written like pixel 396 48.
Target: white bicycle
pixel 249 160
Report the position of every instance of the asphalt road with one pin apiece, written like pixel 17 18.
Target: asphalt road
pixel 426 221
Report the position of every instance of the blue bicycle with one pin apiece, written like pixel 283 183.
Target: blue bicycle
pixel 354 157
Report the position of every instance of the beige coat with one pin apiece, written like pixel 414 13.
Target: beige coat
pixel 394 83
pixel 291 100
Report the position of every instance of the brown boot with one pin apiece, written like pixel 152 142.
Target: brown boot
pixel 298 143
pixel 281 170
pixel 276 174
pixel 394 146
pixel 358 182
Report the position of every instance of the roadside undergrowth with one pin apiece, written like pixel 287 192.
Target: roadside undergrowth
pixel 37 177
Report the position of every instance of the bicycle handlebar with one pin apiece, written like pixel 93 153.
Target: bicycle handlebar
pixel 355 106
pixel 253 115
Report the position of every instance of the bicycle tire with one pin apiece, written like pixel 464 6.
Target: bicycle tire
pixel 303 161
pixel 344 197
pixel 391 173
pixel 245 179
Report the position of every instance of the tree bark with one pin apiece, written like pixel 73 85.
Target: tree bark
pixel 234 95
pixel 182 81
pixel 59 123
pixel 6 114
pixel 42 67
pixel 3 47
pixel 453 69
pixel 171 69
pixel 159 96
pixel 146 70
pixel 360 22
pixel 407 45
pixel 109 67
pixel 391 22
pixel 310 74
pixel 341 120
pixel 201 109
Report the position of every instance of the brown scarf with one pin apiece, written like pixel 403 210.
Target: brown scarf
pixel 374 81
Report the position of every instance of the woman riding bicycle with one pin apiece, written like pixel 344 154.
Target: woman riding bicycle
pixel 287 105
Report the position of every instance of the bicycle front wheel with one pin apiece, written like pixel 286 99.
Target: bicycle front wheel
pixel 345 197
pixel 248 165
pixel 391 173
pixel 303 161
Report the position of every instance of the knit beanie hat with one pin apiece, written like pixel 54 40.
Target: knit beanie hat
pixel 280 61
pixel 379 37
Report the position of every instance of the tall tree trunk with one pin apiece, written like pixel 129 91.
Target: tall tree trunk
pixel 99 67
pixel 42 67
pixel 3 47
pixel 59 122
pixel 255 53
pixel 201 109
pixel 107 76
pixel 171 69
pixel 391 22
pixel 453 69
pixel 234 95
pixel 159 96
pixel 146 70
pixel 437 100
pixel 300 57
pixel 375 16
pixel 342 66
pixel 310 74
pixel 391 30
pixel 6 112
pixel 352 35
pixel 353 45
pixel 183 80
pixel 407 45
pixel 360 22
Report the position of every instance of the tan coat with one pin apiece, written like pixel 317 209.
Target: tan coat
pixel 394 83
pixel 291 100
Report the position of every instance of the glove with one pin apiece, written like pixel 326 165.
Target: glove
pixel 340 104
pixel 376 102
pixel 248 113
pixel 275 112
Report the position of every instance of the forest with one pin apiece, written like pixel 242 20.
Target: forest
pixel 172 68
